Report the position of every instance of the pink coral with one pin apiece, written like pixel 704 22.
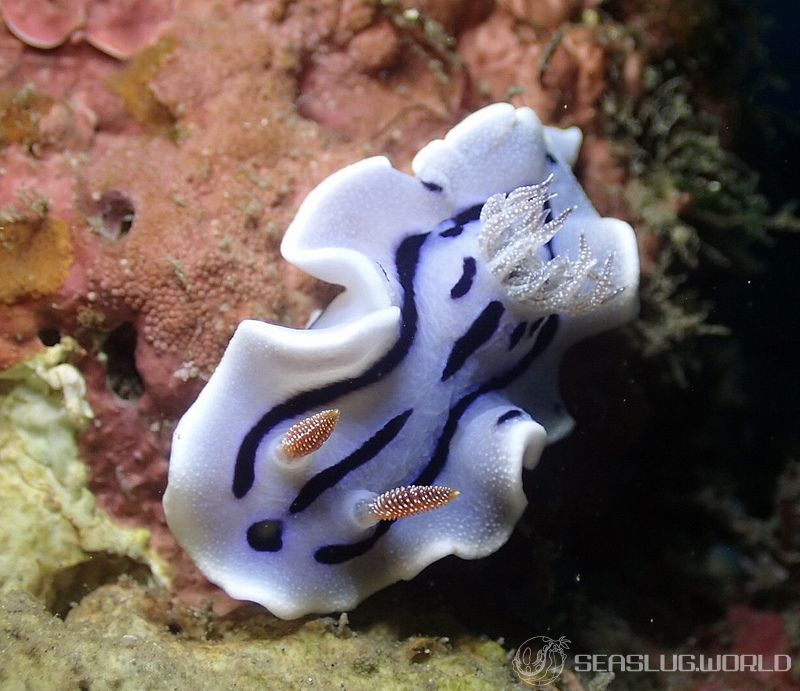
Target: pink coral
pixel 119 28
pixel 561 76
pixel 544 14
pixel 43 23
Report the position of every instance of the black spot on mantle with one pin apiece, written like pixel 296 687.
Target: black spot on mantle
pixel 265 536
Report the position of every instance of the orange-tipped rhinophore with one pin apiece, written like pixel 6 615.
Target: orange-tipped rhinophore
pixel 309 434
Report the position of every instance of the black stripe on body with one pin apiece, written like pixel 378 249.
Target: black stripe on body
pixel 406 260
pixel 336 554
pixel 327 478
pixel 452 232
pixel 461 288
pixel 510 415
pixel 516 335
pixel 436 464
pixel 534 326
pixel 480 331
pixel 460 220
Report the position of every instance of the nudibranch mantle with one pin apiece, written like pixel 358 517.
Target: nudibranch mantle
pixel 435 370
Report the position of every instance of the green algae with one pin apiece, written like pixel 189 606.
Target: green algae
pixel 696 206
pixel 51 522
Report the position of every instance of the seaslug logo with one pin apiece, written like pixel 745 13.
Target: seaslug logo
pixel 685 662
pixel 540 660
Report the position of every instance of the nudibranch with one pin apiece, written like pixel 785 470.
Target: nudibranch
pixel 320 465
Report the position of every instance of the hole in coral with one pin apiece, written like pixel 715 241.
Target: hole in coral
pixel 71 585
pixel 116 215
pixel 174 628
pixel 50 337
pixel 122 377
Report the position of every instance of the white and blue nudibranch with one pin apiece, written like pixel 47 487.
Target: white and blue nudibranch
pixel 320 465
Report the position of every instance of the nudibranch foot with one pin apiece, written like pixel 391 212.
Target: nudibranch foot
pixel 433 374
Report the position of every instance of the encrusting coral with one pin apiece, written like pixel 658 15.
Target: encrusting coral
pixel 119 28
